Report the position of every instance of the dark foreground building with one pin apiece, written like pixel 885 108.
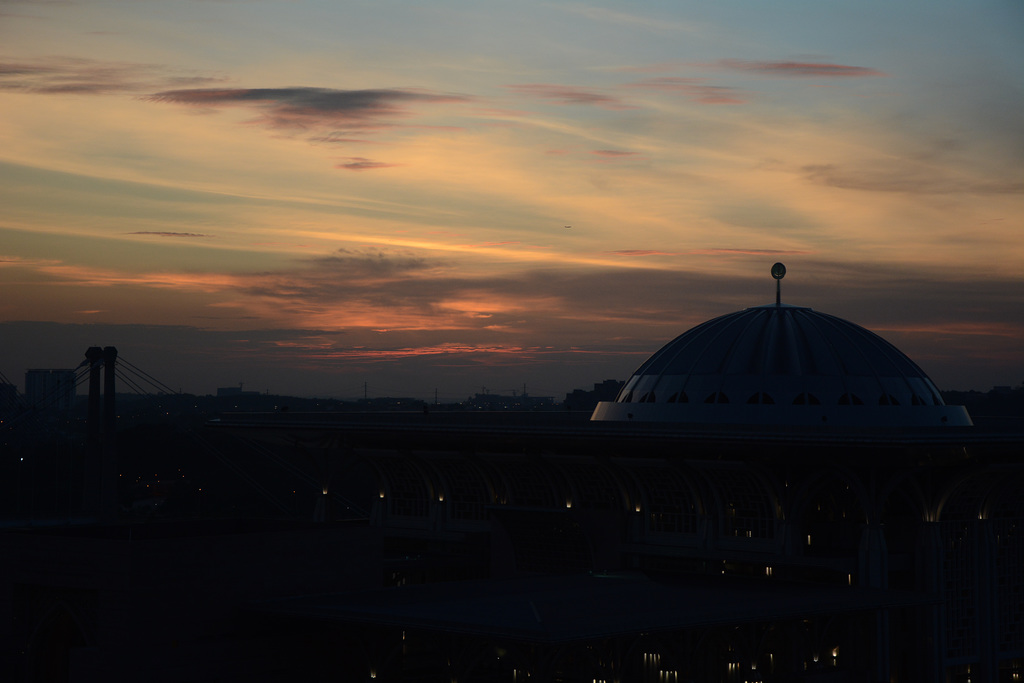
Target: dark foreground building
pixel 776 495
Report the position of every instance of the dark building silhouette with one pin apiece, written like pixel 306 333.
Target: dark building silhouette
pixel 235 391
pixel 579 399
pixel 662 538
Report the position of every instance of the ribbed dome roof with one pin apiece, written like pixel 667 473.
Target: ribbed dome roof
pixel 780 364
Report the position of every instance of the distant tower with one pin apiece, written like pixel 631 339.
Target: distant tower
pixel 101 468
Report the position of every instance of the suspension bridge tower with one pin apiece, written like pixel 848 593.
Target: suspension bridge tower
pixel 101 483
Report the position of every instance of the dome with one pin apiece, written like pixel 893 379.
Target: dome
pixel 781 365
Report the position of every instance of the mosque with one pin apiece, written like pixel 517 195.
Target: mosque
pixel 775 495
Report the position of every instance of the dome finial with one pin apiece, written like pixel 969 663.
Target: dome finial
pixel 778 272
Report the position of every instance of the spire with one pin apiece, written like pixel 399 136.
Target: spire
pixel 778 272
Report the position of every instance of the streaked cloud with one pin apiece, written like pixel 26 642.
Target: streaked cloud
pixel 570 95
pixel 749 252
pixel 643 252
pixel 376 262
pixel 83 76
pixel 800 69
pixel 906 178
pixel 363 164
pixel 305 107
pixel 157 233
pixel 613 153
pixel 695 89
pixel 711 252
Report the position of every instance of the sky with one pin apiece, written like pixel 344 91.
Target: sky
pixel 396 198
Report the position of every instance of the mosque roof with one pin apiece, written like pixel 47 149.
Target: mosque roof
pixel 781 364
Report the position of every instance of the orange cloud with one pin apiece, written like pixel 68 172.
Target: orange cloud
pixel 364 164
pixel 748 252
pixel 643 252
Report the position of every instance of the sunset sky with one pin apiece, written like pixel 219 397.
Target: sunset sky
pixel 314 198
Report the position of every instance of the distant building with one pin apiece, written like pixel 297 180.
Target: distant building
pixel 579 399
pixel 501 402
pixel 50 389
pixel 235 391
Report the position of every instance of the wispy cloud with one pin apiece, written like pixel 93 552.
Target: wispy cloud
pixel 905 179
pixel 67 75
pixel 376 262
pixel 613 153
pixel 363 164
pixel 643 252
pixel 305 107
pixel 695 89
pixel 749 252
pixel 156 233
pixel 570 95
pixel 711 252
pixel 14 261
pixel 799 69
